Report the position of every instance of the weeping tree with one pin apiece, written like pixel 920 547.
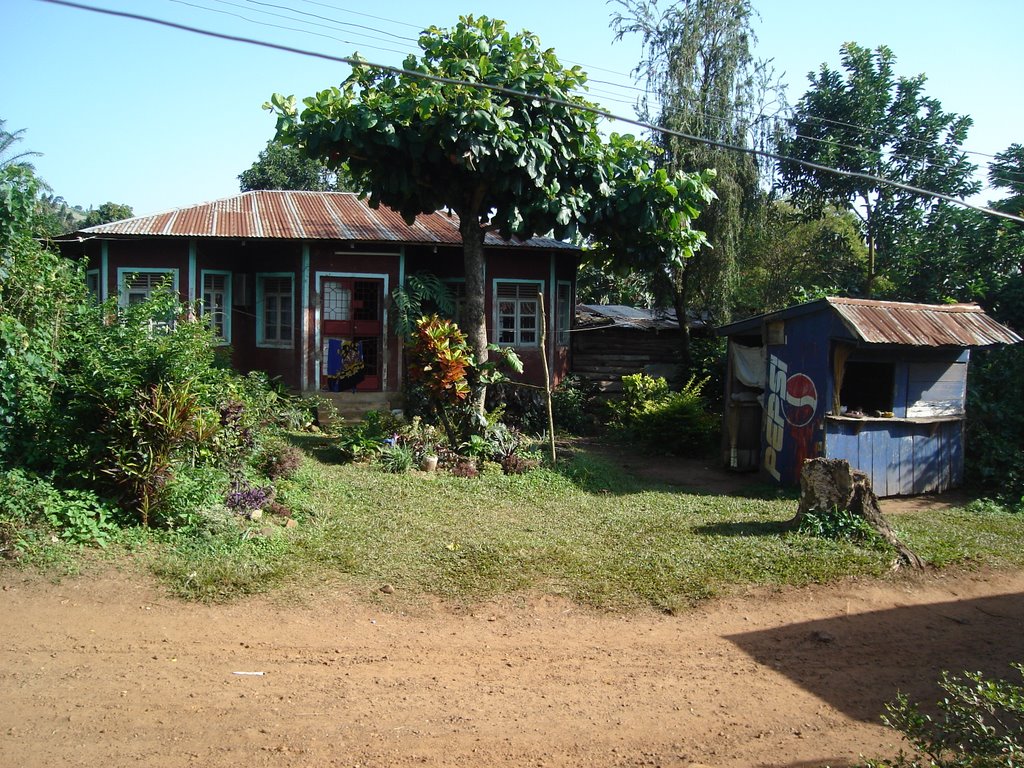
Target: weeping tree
pixel 702 80
pixel 518 165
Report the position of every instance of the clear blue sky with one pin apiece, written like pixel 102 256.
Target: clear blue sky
pixel 157 118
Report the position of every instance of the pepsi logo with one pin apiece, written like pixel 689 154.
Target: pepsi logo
pixel 801 400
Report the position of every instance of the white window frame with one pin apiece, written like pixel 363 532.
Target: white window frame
pixel 564 310
pixel 226 304
pixel 261 323
pixel 123 273
pixel 537 287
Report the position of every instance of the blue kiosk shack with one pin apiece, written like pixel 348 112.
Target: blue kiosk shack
pixel 881 384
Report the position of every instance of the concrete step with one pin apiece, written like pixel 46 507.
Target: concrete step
pixel 353 406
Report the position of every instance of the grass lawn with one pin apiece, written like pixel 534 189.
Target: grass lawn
pixel 585 531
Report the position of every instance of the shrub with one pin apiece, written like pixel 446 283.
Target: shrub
pixel 279 459
pixel 838 524
pixel 995 423
pixel 570 404
pixel 657 419
pixel 245 498
pixel 78 516
pixel 396 459
pixel 980 725
pixel 517 406
pixel 366 438
pixel 465 468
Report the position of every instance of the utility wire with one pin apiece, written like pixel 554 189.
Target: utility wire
pixel 289 29
pixel 643 90
pixel 593 109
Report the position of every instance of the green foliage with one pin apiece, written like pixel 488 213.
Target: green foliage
pixel 702 80
pixel 79 517
pixel 105 213
pixel 792 257
pixel 840 524
pixel 911 139
pixel 654 418
pixel 571 401
pixel 396 458
pixel 995 423
pixel 980 725
pixel 366 438
pixel 445 371
pixel 282 167
pixel 523 166
pixel 421 292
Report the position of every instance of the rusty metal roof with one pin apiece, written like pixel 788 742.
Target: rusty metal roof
pixel 921 325
pixel 895 322
pixel 299 215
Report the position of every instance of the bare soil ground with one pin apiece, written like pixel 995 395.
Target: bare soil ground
pixel 106 670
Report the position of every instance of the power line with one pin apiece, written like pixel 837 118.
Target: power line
pixel 593 109
pixel 635 88
pixel 281 26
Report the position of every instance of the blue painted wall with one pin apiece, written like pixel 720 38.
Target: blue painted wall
pixel 902 457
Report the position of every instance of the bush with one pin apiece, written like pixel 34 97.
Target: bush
pixel 995 423
pixel 838 524
pixel 981 725
pixel 659 420
pixel 279 459
pixel 78 516
pixel 570 405
pixel 396 459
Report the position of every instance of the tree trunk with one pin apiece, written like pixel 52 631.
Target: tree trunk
pixel 680 302
pixel 475 316
pixel 827 485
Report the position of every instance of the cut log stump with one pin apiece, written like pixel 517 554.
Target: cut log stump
pixel 827 485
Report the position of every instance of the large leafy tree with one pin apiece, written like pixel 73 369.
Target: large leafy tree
pixel 865 119
pixel 790 258
pixel 702 79
pixel 518 165
pixel 284 167
pixel 107 212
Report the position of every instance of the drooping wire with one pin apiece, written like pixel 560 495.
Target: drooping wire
pixel 593 109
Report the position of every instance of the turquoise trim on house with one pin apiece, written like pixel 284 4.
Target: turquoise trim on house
pixel 304 377
pixel 192 271
pixel 104 270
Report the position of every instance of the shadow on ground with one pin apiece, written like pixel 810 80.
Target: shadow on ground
pixel 838 659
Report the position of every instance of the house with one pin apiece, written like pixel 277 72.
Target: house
pixel 293 282
pixel 610 341
pixel 881 384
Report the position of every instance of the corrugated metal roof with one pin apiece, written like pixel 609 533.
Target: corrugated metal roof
pixel 922 325
pixel 626 317
pixel 299 215
pixel 894 322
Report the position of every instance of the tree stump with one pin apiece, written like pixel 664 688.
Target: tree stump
pixel 827 485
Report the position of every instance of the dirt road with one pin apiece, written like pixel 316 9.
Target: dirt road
pixel 107 671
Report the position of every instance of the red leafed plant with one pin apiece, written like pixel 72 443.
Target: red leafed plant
pixel 439 359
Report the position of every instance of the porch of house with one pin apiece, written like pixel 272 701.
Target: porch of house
pixel 353 406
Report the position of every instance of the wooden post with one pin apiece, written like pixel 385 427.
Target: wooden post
pixel 547 374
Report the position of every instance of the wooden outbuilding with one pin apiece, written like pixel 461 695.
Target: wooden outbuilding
pixel 881 384
pixel 610 341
